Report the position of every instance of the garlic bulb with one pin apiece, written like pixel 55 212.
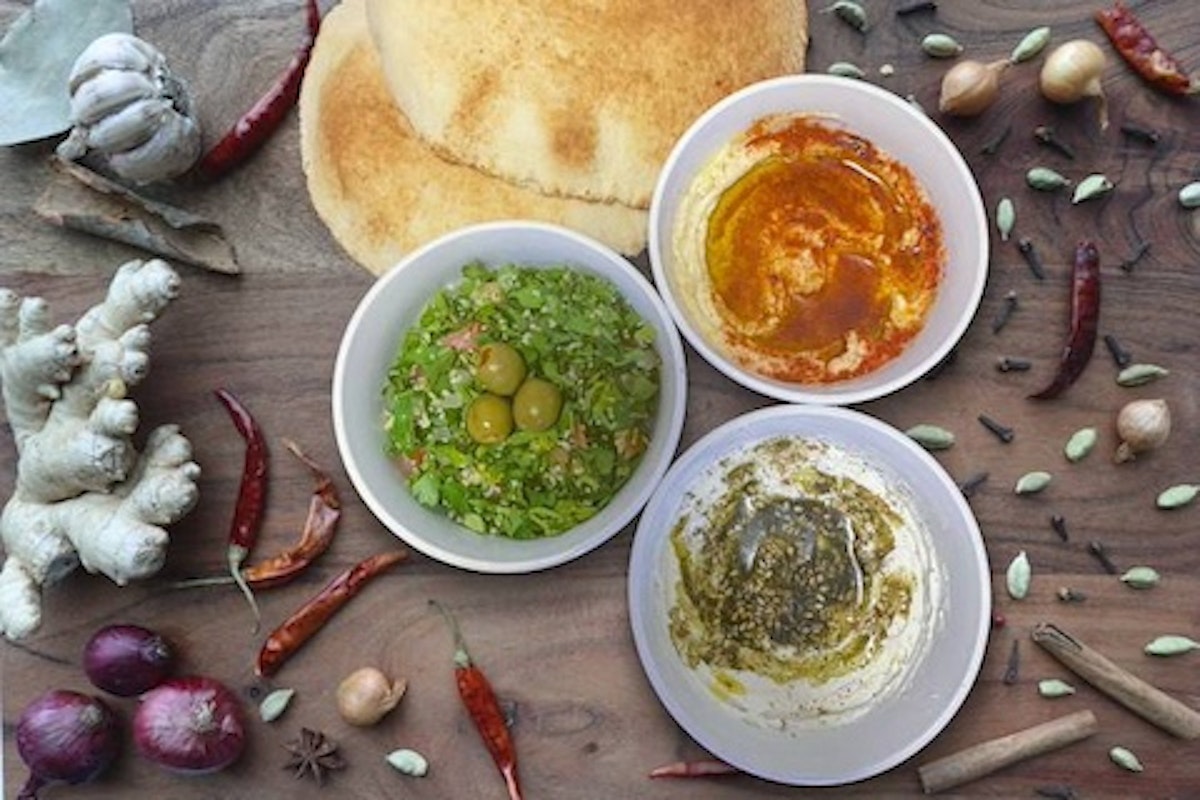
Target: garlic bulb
pixel 1142 425
pixel 128 107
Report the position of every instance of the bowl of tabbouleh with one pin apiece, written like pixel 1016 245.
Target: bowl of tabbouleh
pixel 506 398
pixel 809 595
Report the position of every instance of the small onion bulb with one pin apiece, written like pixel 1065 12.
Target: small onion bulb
pixel 366 695
pixel 969 87
pixel 1142 425
pixel 1072 72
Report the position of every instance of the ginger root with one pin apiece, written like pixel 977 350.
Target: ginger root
pixel 84 496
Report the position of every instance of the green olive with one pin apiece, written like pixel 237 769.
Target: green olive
pixel 501 368
pixel 489 419
pixel 536 405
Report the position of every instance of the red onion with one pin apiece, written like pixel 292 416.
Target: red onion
pixel 193 725
pixel 66 737
pixel 127 660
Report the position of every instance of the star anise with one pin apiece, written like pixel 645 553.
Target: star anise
pixel 313 754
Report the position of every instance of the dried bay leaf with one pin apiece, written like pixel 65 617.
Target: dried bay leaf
pixel 36 55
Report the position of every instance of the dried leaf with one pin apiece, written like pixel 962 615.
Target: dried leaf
pixel 36 56
pixel 84 200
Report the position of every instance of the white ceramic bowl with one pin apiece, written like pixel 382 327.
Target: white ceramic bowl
pixel 894 728
pixel 899 130
pixel 370 344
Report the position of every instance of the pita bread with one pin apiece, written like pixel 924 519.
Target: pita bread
pixel 380 191
pixel 579 98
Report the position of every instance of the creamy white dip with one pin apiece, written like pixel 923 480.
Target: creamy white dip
pixel 802 703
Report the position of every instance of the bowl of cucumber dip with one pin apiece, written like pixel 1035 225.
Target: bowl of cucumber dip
pixel 507 397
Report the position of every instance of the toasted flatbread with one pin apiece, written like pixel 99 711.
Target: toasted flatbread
pixel 583 99
pixel 381 191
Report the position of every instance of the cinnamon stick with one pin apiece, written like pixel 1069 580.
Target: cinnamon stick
pixel 987 757
pixel 1121 685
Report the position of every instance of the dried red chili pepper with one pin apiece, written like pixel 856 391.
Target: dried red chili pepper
pixel 255 126
pixel 324 511
pixel 1137 46
pixel 252 493
pixel 480 701
pixel 304 623
pixel 1085 320
pixel 703 768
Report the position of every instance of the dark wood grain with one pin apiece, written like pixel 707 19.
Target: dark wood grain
pixel 557 644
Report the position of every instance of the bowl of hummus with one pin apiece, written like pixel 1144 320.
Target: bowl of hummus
pixel 809 595
pixel 818 239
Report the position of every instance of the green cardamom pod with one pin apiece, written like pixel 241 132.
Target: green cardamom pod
pixel 1125 759
pixel 941 45
pixel 931 437
pixel 845 69
pixel 1091 187
pixel 1030 45
pixel 1141 577
pixel 1080 444
pixel 1141 374
pixel 1045 179
pixel 1170 645
pixel 1017 576
pixel 1053 687
pixel 849 12
pixel 409 762
pixel 274 704
pixel 1032 482
pixel 1006 218
pixel 1177 496
pixel 1189 196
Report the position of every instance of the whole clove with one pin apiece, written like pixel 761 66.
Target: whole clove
pixel 1010 364
pixel 1139 252
pixel 1005 313
pixel 1101 555
pixel 1045 135
pixel 1068 595
pixel 1012 670
pixel 916 8
pixel 1059 524
pixel 1030 254
pixel 1141 134
pixel 993 143
pixel 1120 356
pixel 1001 432
pixel 969 486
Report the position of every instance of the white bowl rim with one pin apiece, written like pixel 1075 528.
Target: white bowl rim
pixel 685 716
pixel 794 393
pixel 675 414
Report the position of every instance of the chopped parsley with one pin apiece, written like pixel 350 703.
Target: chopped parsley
pixel 573 329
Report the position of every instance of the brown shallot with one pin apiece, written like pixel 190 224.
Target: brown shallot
pixel 1072 73
pixel 367 694
pixel 1142 425
pixel 969 87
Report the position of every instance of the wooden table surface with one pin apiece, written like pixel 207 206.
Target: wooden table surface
pixel 557 644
